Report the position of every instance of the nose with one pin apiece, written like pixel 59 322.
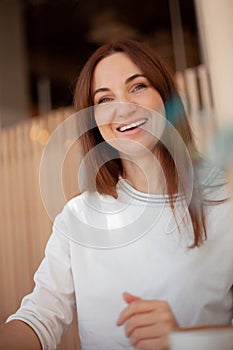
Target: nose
pixel 123 96
pixel 124 109
pixel 114 112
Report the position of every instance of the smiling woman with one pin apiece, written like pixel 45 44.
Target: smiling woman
pixel 133 76
pixel 134 101
pixel 142 235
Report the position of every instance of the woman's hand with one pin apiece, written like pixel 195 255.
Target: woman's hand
pixel 147 322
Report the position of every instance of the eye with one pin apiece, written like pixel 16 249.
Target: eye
pixel 139 86
pixel 104 100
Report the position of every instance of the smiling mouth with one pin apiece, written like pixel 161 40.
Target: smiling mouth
pixel 132 126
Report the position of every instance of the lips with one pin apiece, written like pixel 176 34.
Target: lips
pixel 132 125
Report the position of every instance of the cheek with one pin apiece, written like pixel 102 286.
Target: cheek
pixel 103 115
pixel 105 131
pixel 154 101
pixel 159 107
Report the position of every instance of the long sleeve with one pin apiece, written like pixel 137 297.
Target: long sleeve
pixel 49 309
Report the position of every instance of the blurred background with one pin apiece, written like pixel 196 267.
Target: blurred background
pixel 44 44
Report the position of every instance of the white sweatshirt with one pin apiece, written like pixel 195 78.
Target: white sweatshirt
pixel 101 247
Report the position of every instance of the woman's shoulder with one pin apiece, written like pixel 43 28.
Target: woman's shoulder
pixel 79 198
pixel 84 204
pixel 80 202
pixel 72 220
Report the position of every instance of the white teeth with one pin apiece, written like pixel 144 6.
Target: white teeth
pixel 133 125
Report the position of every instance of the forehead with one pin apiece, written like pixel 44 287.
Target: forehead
pixel 116 67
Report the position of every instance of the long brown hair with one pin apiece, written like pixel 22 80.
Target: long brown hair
pixel 105 162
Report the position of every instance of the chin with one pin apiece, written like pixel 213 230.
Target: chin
pixel 133 148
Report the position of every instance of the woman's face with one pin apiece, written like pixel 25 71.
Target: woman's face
pixel 129 111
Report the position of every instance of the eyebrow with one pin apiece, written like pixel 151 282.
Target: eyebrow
pixel 128 80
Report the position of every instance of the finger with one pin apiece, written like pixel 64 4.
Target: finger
pixel 147 330
pixel 128 298
pixel 143 333
pixel 157 324
pixel 135 307
pixel 137 321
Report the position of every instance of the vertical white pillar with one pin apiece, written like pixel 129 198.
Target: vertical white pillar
pixel 215 22
pixel 14 100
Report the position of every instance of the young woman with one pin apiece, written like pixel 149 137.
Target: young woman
pixel 146 248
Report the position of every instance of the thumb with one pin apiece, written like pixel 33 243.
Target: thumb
pixel 128 298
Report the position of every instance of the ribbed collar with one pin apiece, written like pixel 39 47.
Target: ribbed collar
pixel 130 191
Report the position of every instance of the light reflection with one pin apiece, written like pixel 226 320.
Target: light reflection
pixel 39 135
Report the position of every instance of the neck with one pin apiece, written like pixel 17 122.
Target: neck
pixel 145 175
